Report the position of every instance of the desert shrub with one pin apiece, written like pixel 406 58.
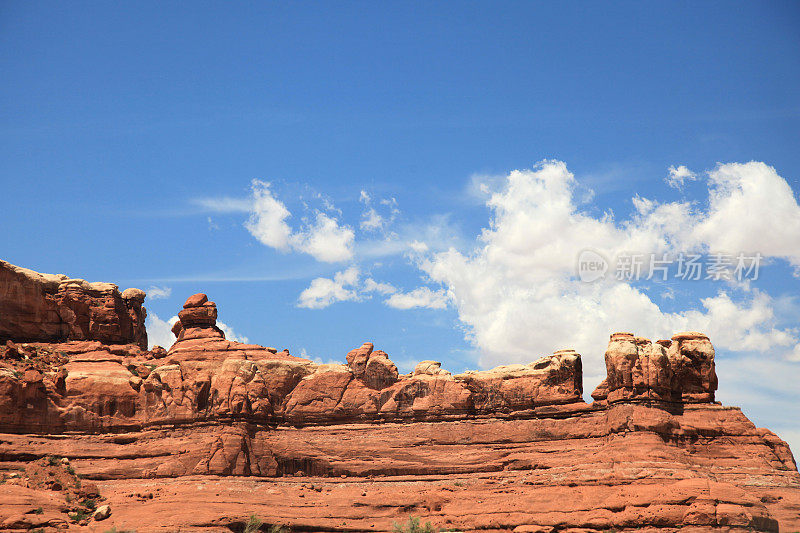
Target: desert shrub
pixel 89 504
pixel 38 510
pixel 413 526
pixel 79 515
pixel 253 524
pixel 70 471
pixel 53 460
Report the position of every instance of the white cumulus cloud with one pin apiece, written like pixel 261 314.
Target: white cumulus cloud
pixel 324 291
pixel 518 296
pixel 159 332
pixel 751 209
pixel 325 240
pixel 267 221
pixel 230 334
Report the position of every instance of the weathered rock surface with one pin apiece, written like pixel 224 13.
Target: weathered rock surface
pixel 680 370
pixel 203 435
pixel 627 467
pixel 54 308
pixel 204 376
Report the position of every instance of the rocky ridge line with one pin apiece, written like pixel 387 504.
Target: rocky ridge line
pixel 357 446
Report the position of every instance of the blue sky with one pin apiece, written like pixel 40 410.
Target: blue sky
pixel 131 136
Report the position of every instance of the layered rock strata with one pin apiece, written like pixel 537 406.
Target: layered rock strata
pixel 237 429
pixel 205 377
pixel 38 307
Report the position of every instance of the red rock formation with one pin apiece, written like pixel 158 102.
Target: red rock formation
pixel 694 356
pixel 373 368
pixel 630 466
pixel 54 308
pixel 680 370
pixel 358 446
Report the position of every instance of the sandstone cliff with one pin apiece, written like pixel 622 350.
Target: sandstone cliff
pixel 53 307
pixel 238 429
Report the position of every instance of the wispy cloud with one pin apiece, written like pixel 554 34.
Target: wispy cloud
pixel 422 297
pixel 380 216
pixel 250 273
pixel 156 293
pixel 223 204
pixel 678 176
pixel 348 286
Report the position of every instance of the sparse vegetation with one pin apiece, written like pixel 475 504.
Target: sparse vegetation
pixel 413 526
pixel 70 471
pixel 54 460
pixel 253 524
pixel 38 510
pixel 89 504
pixel 79 515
